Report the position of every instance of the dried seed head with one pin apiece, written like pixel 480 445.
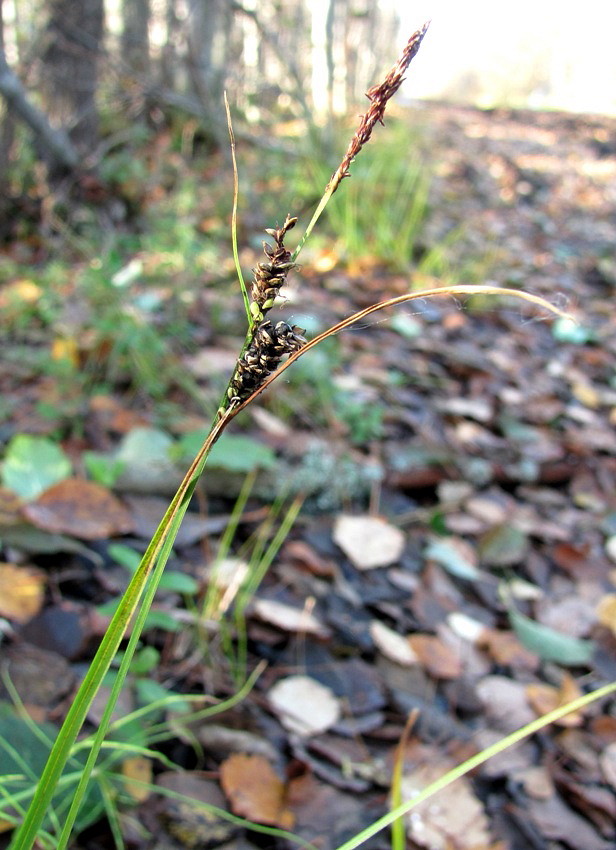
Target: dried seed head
pixel 270 276
pixel 378 96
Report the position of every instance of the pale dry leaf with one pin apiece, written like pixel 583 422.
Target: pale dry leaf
pixel 505 703
pixel 465 627
pixel 368 542
pixel 304 705
pixel 607 760
pixel 393 645
pixel 452 818
pixel 289 618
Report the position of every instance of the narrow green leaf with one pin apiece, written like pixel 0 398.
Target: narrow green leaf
pixel 549 644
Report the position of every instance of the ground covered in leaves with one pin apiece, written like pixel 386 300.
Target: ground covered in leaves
pixel 454 558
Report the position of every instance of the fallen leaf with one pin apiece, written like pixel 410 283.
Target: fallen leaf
pixel 453 818
pixel 324 815
pixel 457 556
pixel 505 648
pixel 393 645
pixel 289 618
pixel 607 759
pixel 545 698
pixel 32 464
pixel 189 815
pixel 606 612
pixel 368 542
pixel 39 676
pixel 437 658
pixel 80 508
pixel 558 822
pixel 137 768
pixel 304 706
pixel 503 546
pixel 22 591
pixel 549 644
pixel 254 790
pixel 505 703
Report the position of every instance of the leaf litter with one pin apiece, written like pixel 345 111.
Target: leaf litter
pixel 496 461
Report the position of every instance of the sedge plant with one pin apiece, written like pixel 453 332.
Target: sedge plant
pixel 258 365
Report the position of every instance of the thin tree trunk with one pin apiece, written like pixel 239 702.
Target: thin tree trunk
pixel 53 146
pixel 135 36
pixel 75 32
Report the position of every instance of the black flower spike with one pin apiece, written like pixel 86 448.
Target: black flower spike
pixel 262 357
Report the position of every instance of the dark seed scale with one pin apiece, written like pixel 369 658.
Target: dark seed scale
pixel 261 358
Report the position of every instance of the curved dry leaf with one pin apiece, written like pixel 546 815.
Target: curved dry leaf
pixel 254 790
pixel 22 590
pixel 368 541
pixel 80 508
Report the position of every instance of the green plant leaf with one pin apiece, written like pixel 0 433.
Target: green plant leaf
pixel 158 619
pixel 449 557
pixel 125 556
pixel 103 469
pixel 234 452
pixel 549 644
pixel 145 661
pixel 32 465
pixel 149 691
pixel 177 582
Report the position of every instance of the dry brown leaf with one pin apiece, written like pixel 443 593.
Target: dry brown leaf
pixel 606 612
pixel 255 791
pixel 436 657
pixel 505 648
pixel 368 541
pixel 505 703
pixel 80 508
pixel 545 698
pixel 138 768
pixel 22 590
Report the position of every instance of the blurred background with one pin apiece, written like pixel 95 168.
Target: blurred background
pixel 115 170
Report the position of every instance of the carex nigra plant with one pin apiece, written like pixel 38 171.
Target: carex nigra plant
pixel 258 364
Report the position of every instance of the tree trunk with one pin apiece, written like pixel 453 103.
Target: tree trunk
pixel 75 32
pixel 135 37
pixel 53 146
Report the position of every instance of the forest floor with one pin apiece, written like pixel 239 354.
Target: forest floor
pixel 454 558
